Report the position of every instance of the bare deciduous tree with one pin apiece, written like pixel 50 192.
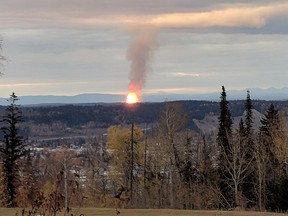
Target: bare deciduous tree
pixel 171 122
pixel 237 168
pixel 96 166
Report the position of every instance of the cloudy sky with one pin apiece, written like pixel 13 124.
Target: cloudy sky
pixel 69 47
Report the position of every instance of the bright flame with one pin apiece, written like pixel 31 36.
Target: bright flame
pixel 132 98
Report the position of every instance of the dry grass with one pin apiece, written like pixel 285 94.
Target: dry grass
pixel 151 212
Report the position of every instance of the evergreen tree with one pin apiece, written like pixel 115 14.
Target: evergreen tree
pixel 270 131
pixel 225 123
pixel 12 149
pixel 250 181
pixel 224 135
pixel 271 121
pixel 248 116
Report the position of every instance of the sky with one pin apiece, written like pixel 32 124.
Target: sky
pixel 70 47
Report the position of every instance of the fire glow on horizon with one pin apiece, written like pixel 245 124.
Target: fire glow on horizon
pixel 132 98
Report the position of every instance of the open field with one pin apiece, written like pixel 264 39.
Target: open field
pixel 150 212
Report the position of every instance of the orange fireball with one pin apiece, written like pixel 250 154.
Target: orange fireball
pixel 132 98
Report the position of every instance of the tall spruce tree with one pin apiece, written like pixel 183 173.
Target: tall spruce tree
pixel 225 122
pixel 249 115
pixel 270 122
pixel 250 181
pixel 223 139
pixel 12 148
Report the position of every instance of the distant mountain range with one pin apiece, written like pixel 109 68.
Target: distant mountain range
pixel 256 94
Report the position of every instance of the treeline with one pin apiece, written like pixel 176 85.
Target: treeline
pixel 167 165
pixel 107 114
pixel 104 115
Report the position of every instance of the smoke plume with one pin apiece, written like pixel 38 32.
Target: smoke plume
pixel 140 53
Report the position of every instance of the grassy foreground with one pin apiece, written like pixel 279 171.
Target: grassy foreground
pixel 150 212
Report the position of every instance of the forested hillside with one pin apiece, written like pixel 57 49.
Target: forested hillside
pixel 105 115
